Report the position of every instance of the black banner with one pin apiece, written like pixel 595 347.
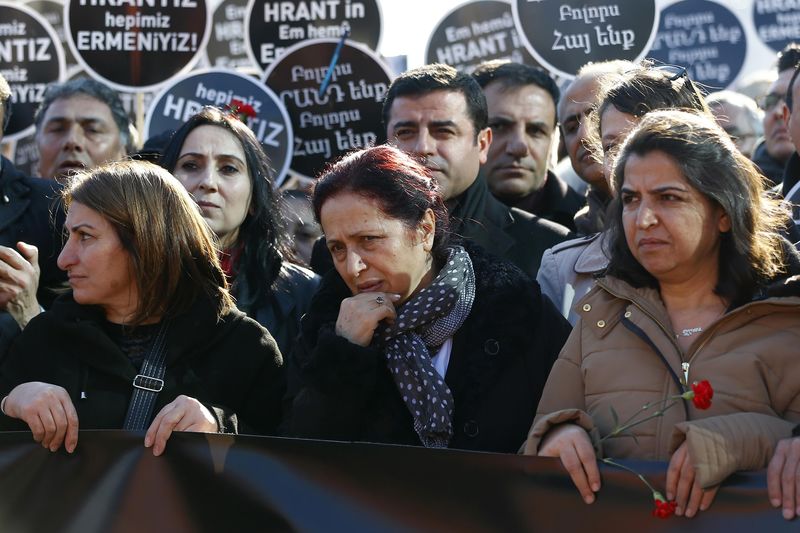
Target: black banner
pixel 214 483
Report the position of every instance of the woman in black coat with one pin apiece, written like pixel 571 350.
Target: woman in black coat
pixel 219 161
pixel 412 339
pixel 145 281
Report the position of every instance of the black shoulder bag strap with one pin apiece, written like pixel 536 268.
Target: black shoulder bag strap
pixel 148 383
pixel 636 330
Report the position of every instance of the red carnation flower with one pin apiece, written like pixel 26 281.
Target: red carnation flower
pixel 664 509
pixel 702 394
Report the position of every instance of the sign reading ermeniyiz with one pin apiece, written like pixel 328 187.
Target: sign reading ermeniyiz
pixel 568 34
pixel 136 44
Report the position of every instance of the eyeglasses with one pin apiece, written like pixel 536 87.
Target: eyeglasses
pixel 673 72
pixel 769 101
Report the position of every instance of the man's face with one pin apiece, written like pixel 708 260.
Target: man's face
pixel 792 120
pixel 436 128
pixel 573 107
pixel 77 132
pixel 522 120
pixel 776 136
pixel 733 120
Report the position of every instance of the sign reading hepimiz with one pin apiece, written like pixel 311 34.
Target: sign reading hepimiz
pixel 777 22
pixel 566 35
pixel 136 45
pixel 475 32
pixel 227 46
pixel 218 87
pixel 345 116
pixel 705 37
pixel 273 26
pixel 30 57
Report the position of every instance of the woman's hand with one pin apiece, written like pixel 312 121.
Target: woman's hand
pixel 19 281
pixel 682 486
pixel 48 411
pixel 572 445
pixel 359 315
pixel 783 477
pixel 183 414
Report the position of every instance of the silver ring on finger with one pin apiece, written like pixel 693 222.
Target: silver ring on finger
pixel 380 300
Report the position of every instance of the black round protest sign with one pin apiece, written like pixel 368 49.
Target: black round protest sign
pixel 566 35
pixel 136 45
pixel 227 46
pixel 704 37
pixel 275 25
pixel 53 13
pixel 30 57
pixel 777 22
pixel 219 87
pixel 475 32
pixel 346 115
pixel 26 155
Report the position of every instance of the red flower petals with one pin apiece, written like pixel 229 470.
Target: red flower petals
pixel 702 394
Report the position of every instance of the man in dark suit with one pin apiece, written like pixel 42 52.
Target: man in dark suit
pixel 30 236
pixel 440 115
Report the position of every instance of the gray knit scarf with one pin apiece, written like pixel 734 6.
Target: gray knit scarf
pixel 422 325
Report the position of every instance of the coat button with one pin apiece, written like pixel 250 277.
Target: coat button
pixel 492 347
pixel 601 323
pixel 471 428
pixel 587 307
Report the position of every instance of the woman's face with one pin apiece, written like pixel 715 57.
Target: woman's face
pixel 98 266
pixel 376 253
pixel 614 126
pixel 671 228
pixel 213 168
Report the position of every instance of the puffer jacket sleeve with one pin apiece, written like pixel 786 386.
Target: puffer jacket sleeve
pixel 563 398
pixel 721 445
pixel 549 279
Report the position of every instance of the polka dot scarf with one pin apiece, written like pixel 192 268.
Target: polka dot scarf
pixel 423 323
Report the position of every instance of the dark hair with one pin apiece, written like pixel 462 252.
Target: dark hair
pixel 644 89
pixel 98 91
pixel 750 253
pixel 262 232
pixel 790 90
pixel 789 57
pixel 439 77
pixel 402 187
pixel 174 259
pixel 512 75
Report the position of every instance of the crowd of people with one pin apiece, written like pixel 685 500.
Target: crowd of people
pixel 462 294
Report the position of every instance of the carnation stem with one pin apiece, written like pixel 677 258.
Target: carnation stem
pixel 629 423
pixel 632 471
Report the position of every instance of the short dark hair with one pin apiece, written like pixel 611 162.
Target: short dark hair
pixel 403 188
pixel 439 77
pixel 789 57
pixel 751 252
pixel 262 233
pixel 98 91
pixel 511 75
pixel 790 89
pixel 641 90
pixel 174 259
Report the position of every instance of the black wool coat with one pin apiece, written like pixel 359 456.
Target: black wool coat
pixel 232 366
pixel 499 363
